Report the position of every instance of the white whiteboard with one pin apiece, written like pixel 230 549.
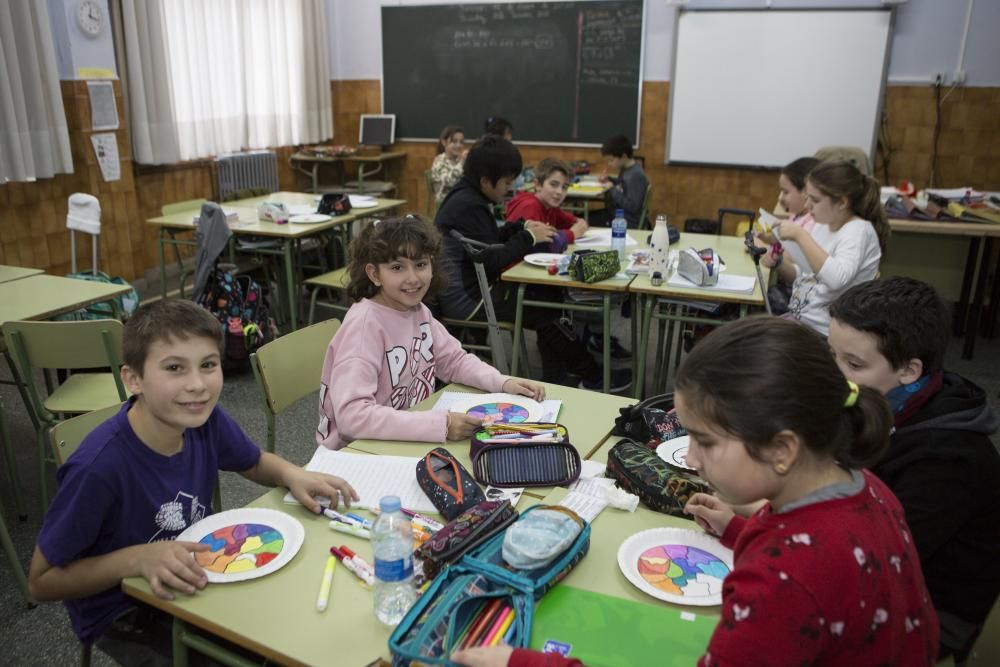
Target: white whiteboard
pixel 762 88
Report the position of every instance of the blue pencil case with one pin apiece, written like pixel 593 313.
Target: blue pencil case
pixel 429 631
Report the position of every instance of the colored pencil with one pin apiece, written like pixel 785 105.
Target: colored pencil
pixel 486 617
pixel 460 637
pixel 502 632
pixel 510 632
pixel 487 639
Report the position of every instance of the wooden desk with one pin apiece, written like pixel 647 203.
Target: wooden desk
pixel 8 273
pixel 738 262
pixel 526 274
pixel 312 162
pixel 287 237
pixel 980 236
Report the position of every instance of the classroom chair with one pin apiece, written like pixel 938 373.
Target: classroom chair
pixel 283 368
pixel 14 484
pixel 47 346
pixel 644 222
pixel 430 210
pixel 335 280
pixel 193 205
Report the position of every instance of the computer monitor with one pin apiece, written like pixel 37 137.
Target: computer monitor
pixel 377 129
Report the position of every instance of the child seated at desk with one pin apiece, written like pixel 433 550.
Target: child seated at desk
pixel 629 182
pixel 390 350
pixel 446 168
pixel 825 573
pixel 891 335
pixel 552 179
pixel 842 250
pixel 145 475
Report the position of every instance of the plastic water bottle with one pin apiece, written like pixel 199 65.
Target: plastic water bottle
pixel 659 247
pixel 618 228
pixel 392 542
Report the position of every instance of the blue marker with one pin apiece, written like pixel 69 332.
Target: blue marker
pixel 360 519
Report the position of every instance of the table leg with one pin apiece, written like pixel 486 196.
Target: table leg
pixel 293 304
pixel 972 326
pixel 607 343
pixel 962 307
pixel 315 177
pixel 178 645
pixel 518 329
pixel 648 303
pixel 636 324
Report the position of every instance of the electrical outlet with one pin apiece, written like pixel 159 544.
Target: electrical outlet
pixel 959 76
pixel 937 78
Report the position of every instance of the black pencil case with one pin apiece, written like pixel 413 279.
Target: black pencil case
pixel 519 465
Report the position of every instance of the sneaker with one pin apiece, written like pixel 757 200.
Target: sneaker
pixel 621 379
pixel 595 343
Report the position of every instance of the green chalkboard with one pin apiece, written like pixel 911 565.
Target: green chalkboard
pixel 561 72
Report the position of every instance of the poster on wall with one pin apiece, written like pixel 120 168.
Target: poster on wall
pixel 106 150
pixel 103 109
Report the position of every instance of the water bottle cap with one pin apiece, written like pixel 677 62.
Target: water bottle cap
pixel 619 213
pixel 389 504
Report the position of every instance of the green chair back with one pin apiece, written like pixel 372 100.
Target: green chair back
pixel 282 367
pixel 431 208
pixel 644 222
pixel 67 435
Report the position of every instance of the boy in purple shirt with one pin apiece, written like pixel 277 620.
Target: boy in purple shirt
pixel 142 477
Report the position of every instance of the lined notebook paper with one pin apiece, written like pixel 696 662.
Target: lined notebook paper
pixel 372 477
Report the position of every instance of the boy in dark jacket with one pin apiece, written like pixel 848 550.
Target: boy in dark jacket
pixel 891 335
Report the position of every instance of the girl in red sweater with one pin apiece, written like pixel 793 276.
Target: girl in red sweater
pixel 825 572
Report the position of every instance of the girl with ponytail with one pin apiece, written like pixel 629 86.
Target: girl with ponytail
pixel 825 572
pixel 843 249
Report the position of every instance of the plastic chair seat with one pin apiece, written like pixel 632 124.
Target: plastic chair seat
pixel 83 392
pixel 336 279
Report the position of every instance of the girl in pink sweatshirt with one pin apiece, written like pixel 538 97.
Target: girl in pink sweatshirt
pixel 388 352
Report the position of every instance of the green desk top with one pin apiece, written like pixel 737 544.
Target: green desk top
pixel 589 416
pixel 250 225
pixel 522 272
pixel 16 272
pixel 42 296
pixel 356 157
pixel 276 615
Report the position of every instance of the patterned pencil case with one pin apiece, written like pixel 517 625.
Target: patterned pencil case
pixel 519 465
pixel 591 266
pixel 490 434
pixel 466 531
pixel 447 483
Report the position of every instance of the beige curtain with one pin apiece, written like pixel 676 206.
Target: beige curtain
pixel 216 76
pixel 34 139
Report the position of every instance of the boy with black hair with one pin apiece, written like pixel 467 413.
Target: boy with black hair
pixel 891 335
pixel 629 180
pixel 490 169
pixel 144 476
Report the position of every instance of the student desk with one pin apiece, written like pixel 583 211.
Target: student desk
pixel 980 236
pixel 309 164
pixel 587 415
pixel 287 237
pixel 41 296
pixel 8 273
pixel 738 262
pixel 526 274
pixel 598 572
pixel 276 615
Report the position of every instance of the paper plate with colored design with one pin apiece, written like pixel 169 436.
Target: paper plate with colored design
pixel 676 565
pixel 309 219
pixel 543 259
pixel 499 408
pixel 673 452
pixel 246 543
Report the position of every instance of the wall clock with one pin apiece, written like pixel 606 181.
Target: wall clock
pixel 90 17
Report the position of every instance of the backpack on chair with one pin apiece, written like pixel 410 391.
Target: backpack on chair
pixel 238 302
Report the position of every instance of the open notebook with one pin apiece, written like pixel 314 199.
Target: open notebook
pixel 372 477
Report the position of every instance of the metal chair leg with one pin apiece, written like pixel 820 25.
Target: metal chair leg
pixel 15 564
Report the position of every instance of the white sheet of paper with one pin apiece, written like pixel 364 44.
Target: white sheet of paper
pixel 584 504
pixel 727 283
pixel 550 407
pixel 372 477
pixel 106 150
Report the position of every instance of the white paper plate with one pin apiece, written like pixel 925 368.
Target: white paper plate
pixel 309 219
pixel 667 571
pixel 499 408
pixel 543 259
pixel 251 534
pixel 361 201
pixel 673 452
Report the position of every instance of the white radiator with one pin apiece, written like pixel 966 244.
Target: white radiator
pixel 239 171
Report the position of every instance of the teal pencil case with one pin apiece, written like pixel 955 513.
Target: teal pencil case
pixel 444 615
